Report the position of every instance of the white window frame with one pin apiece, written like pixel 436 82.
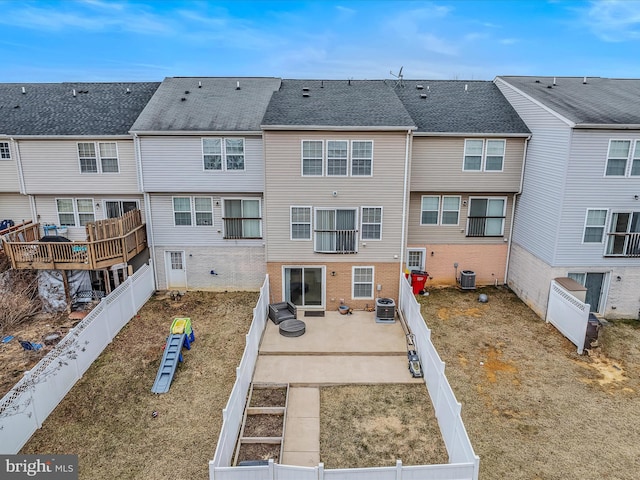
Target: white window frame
pixel 76 211
pixel 611 230
pixel 346 158
pixel 442 210
pixel 303 158
pixel 484 155
pixel 316 224
pixel 224 160
pixel 630 154
pixel 98 158
pixel 363 223
pixel 603 226
pixel 5 151
pixel 504 215
pixel 436 210
pixel 372 282
pixel 423 263
pixel 242 200
pixel 370 174
pixel 120 202
pixel 193 217
pixel 291 223
pixel 635 157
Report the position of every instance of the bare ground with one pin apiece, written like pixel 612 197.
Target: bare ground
pixel 533 407
pixel 107 417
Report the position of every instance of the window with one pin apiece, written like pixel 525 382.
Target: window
pixel 5 152
pixel 635 163
pixel 483 156
pixel 624 234
pixel 430 209
pixel 242 218
pixel 117 208
pixel 215 149
pixel 486 217
pixel 185 209
pixel 450 210
pixel 98 157
pixel 335 231
pixel 300 223
pixel 617 157
pixel 594 226
pixel 361 158
pixel 75 212
pixel 362 282
pixel 371 223
pixel 337 157
pixel 312 157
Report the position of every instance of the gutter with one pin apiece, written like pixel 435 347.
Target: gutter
pixel 608 126
pixel 472 134
pixel 405 201
pixel 350 128
pixel 513 210
pixel 196 133
pixel 72 137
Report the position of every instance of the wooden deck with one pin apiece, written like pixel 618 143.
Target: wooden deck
pixel 109 243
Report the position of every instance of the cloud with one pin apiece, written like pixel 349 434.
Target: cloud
pixel 508 41
pixel 613 20
pixel 413 27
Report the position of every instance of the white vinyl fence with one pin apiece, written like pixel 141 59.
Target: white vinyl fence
pixel 568 314
pixel 34 397
pixel 463 463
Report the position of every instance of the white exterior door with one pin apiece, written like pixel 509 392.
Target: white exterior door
pixel 176 271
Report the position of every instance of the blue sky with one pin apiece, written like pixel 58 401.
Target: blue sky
pixel 104 40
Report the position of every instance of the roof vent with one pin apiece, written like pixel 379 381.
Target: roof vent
pixel 549 86
pixel 423 95
pixel 24 90
pixel 554 81
pixel 199 84
pixel 238 85
pixel 74 92
pixel 183 99
pixel 584 81
pixel 305 89
pixel 349 81
pixel 466 87
pixel 187 92
pixel 419 87
pixel 321 83
pixel 128 90
pixel 428 88
pixel 537 81
pixel 305 94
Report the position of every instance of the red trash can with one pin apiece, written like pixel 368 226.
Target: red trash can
pixel 418 280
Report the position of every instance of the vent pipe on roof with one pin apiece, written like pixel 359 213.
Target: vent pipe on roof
pixel 24 90
pixel 554 81
pixel 321 83
pixel 428 88
pixel 466 87
pixel 74 92
pixel 238 85
pixel 584 81
pixel 349 81
pixel 199 84
pixel 128 90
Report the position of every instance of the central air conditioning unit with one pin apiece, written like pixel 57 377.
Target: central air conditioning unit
pixel 468 280
pixel 385 310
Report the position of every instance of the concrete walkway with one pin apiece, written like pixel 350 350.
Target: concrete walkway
pixel 335 349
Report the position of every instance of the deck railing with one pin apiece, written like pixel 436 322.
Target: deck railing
pixel 623 245
pixel 129 238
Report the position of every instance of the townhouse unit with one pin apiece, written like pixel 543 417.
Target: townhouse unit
pixel 337 157
pixel 466 169
pixel 201 164
pixel 69 155
pixel 579 212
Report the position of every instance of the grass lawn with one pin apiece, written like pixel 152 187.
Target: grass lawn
pixel 533 407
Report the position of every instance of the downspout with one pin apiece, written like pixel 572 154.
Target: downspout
pixel 513 209
pixel 147 207
pixel 404 207
pixel 23 187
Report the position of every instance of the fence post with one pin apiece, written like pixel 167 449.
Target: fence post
pixel 398 469
pixel 321 471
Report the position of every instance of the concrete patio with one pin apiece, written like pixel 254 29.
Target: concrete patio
pixel 335 349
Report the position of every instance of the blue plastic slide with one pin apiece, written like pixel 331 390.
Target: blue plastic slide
pixel 172 356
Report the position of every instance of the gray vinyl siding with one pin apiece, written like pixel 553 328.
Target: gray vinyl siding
pixel 46 208
pixel 166 233
pixel 453 234
pixel 587 187
pixel 52 167
pixel 9 180
pixel 437 162
pixel 14 206
pixel 286 187
pixel 537 219
pixel 175 164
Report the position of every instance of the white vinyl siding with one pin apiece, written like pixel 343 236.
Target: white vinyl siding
pixel 594 225
pixel 185 209
pixel 223 154
pixel 481 155
pixel 300 223
pixel 98 157
pixel 75 212
pixel 371 228
pixel 5 152
pixel 429 210
pixel 362 285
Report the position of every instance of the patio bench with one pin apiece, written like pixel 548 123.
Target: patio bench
pixel 279 312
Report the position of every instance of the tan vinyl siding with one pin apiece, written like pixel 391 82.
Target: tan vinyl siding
pixel 453 234
pixel 286 187
pixel 9 180
pixel 437 162
pixel 14 206
pixel 52 167
pixel 175 164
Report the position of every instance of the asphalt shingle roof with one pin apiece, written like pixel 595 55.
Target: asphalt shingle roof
pixel 336 103
pixel 52 109
pixel 206 104
pixel 444 106
pixel 612 101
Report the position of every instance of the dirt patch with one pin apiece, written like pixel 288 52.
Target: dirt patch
pixel 259 451
pixel 263 425
pixel 107 418
pixel 268 397
pixel 374 425
pixel 533 407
